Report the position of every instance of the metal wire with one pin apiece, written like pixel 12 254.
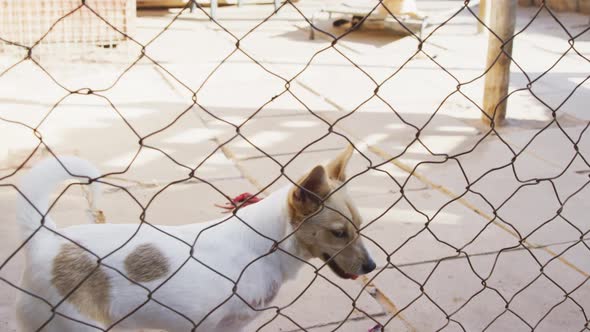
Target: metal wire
pixel 451 317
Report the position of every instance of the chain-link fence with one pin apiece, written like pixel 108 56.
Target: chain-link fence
pixel 543 283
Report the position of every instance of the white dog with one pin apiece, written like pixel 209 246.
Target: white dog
pixel 211 276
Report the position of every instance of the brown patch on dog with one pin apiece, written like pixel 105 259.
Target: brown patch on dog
pixel 304 199
pixel 301 202
pixel 73 266
pixel 146 263
pixel 337 168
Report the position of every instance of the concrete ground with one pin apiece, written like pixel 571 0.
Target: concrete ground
pixel 482 230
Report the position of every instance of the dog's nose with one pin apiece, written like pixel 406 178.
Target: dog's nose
pixel 369 266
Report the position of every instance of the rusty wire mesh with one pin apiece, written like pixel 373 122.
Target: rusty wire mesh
pixel 193 173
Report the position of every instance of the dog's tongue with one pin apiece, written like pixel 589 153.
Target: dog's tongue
pixel 352 276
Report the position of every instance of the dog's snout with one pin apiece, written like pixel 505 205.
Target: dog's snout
pixel 369 266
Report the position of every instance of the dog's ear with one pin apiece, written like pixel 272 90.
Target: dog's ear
pixel 313 187
pixel 337 167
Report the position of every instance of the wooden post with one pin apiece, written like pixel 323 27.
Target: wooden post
pixel 502 22
pixel 483 15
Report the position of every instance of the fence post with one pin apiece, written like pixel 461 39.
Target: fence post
pixel 502 22
pixel 483 15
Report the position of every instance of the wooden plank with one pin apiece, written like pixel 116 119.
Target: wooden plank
pixel 562 5
pixel 502 22
pixel 161 3
pixel 348 10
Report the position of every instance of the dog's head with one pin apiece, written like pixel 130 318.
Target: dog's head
pixel 330 231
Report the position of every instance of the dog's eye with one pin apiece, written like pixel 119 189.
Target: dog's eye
pixel 339 233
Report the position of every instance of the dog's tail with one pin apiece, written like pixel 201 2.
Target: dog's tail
pixel 38 184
